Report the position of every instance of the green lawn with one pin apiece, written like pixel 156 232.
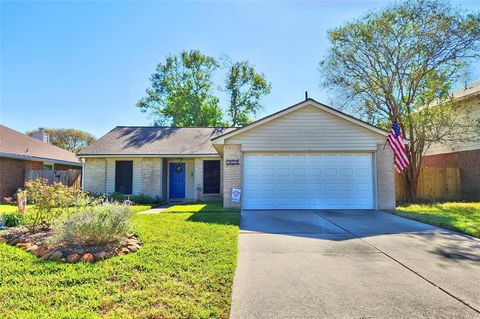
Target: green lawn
pixel 12 209
pixel 9 209
pixel 461 217
pixel 199 208
pixel 183 270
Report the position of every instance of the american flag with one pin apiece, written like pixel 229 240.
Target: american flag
pixel 395 139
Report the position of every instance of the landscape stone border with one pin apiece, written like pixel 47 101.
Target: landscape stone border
pixel 70 254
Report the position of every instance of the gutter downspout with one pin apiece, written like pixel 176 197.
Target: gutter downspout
pixel 83 174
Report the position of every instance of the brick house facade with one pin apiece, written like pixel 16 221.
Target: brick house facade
pixel 19 152
pixel 12 177
pixel 466 155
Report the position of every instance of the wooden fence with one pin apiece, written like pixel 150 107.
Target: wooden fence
pixel 70 177
pixel 435 183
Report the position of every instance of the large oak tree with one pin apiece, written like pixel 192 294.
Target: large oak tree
pixel 181 91
pixel 70 139
pixel 400 63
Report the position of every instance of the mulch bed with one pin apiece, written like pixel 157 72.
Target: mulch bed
pixel 40 245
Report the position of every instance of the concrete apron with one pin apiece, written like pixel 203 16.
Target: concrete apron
pixel 352 264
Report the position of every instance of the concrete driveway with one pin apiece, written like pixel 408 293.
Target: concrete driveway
pixel 352 264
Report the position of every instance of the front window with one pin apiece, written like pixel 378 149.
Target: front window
pixel 48 167
pixel 123 177
pixel 211 177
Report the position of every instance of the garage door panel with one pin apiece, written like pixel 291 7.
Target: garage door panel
pixel 302 180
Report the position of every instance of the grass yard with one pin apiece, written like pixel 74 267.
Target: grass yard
pixel 184 269
pixel 12 209
pixel 461 217
pixel 199 208
pixel 9 209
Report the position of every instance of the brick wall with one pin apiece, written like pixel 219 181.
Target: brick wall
pixel 468 163
pixel 12 175
pixel 38 166
pixel 95 175
pixel 232 174
pixel 152 176
pixel 385 178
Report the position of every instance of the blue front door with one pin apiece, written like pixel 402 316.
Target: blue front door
pixel 177 180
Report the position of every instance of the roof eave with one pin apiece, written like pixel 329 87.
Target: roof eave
pixel 149 155
pixel 36 158
pixel 220 139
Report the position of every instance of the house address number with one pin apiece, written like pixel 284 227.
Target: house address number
pixel 233 162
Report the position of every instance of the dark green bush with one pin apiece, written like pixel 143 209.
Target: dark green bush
pixel 143 199
pixel 12 220
pixel 117 197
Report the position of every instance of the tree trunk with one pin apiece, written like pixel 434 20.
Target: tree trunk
pixel 412 173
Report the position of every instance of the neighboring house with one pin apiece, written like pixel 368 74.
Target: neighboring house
pixel 465 156
pixel 306 156
pixel 19 152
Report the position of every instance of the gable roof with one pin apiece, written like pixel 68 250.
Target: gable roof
pixel 307 102
pixel 155 140
pixel 470 90
pixel 14 144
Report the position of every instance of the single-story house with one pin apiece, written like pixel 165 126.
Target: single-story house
pixel 308 155
pixel 466 155
pixel 19 152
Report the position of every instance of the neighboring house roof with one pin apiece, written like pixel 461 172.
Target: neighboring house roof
pixel 155 140
pixel 470 90
pixel 220 139
pixel 14 144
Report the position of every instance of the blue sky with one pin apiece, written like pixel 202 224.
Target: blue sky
pixel 85 64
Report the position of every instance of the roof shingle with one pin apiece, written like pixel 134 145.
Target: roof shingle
pixel 468 90
pixel 21 145
pixel 154 140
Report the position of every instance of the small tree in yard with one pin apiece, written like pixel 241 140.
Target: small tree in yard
pixel 400 64
pixel 50 201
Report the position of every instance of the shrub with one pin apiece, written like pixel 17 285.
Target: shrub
pixel 117 197
pixel 50 201
pixel 97 225
pixel 143 199
pixel 12 220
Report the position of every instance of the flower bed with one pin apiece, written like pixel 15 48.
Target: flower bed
pixel 43 245
pixel 68 225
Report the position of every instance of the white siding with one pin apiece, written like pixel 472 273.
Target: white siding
pixel 137 176
pixel 308 129
pixel 473 107
pixel 190 178
pixel 198 184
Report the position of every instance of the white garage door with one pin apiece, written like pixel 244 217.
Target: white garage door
pixel 313 180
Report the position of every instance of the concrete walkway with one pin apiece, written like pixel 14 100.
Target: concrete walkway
pixel 353 264
pixel 155 210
